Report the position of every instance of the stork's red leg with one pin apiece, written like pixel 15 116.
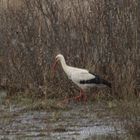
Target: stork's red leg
pixel 79 97
pixel 85 98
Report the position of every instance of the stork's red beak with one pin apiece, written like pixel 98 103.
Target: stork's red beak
pixel 54 68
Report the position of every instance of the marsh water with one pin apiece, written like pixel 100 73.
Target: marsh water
pixel 77 122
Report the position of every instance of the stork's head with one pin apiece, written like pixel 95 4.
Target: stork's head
pixel 59 57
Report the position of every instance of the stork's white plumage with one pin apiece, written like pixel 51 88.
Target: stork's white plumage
pixel 81 77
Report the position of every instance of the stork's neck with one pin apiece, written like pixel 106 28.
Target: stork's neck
pixel 64 66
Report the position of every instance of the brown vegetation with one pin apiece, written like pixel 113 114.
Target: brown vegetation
pixel 95 34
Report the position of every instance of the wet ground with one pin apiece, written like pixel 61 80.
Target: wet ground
pixel 76 122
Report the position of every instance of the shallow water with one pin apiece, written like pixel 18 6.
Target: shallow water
pixel 76 123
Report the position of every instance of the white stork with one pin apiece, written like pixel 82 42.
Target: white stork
pixel 81 77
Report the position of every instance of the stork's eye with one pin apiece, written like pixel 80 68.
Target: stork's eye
pixel 57 59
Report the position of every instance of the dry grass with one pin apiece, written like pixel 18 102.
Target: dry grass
pixel 95 34
pixel 128 111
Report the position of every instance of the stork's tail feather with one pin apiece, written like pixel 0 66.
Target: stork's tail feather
pixel 99 80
